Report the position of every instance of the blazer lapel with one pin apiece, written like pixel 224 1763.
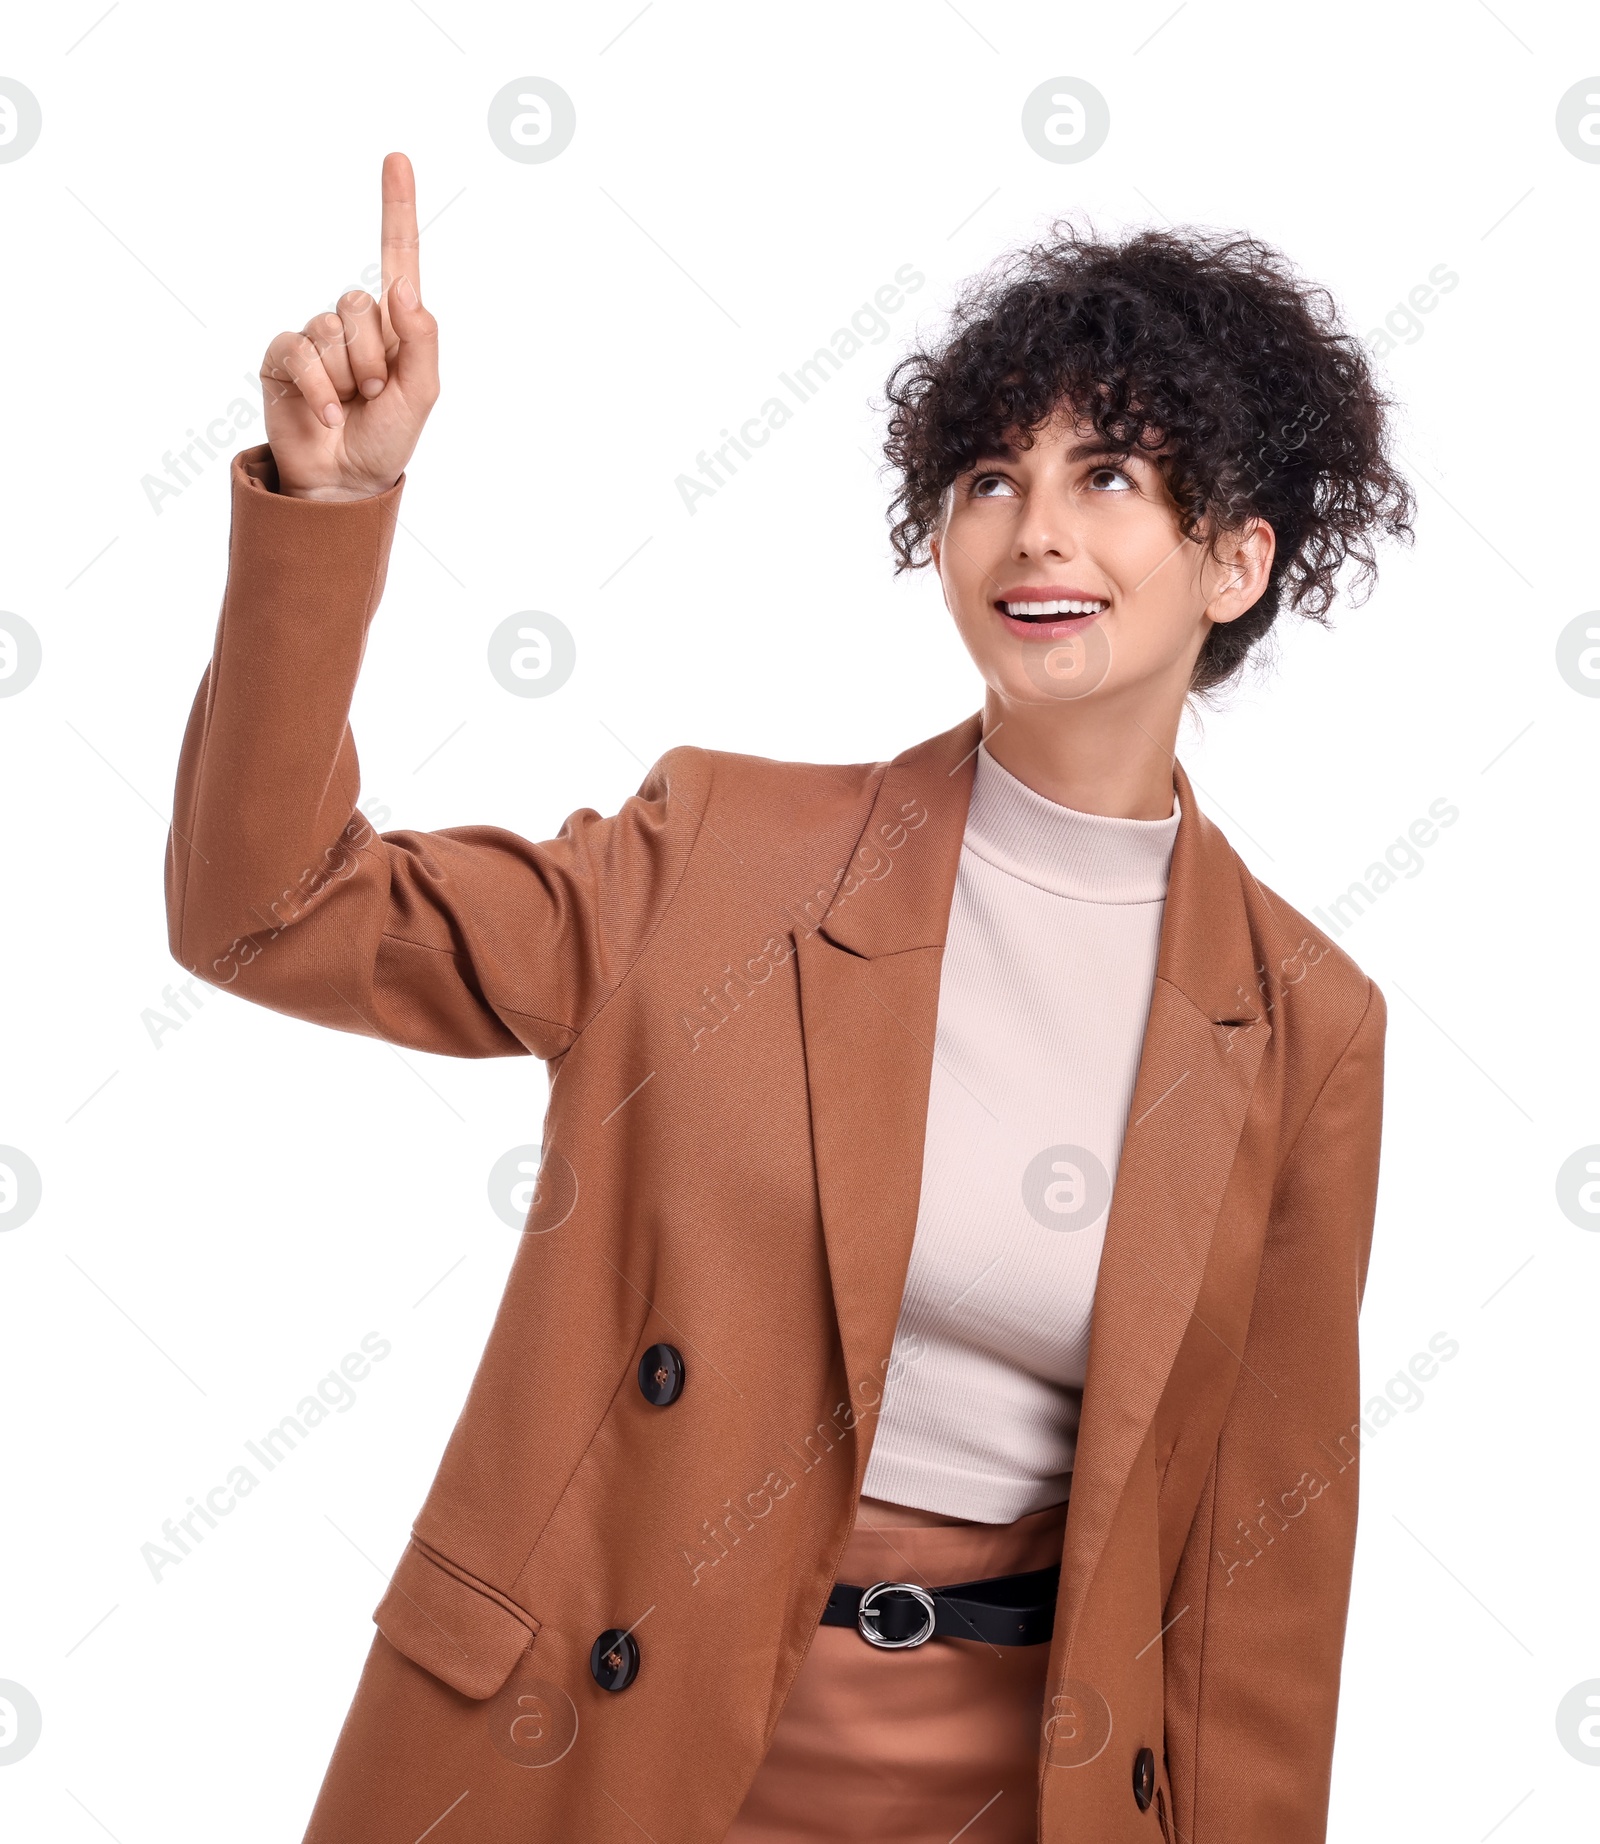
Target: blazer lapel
pixel 869 998
pixel 1202 1050
pixel 869 993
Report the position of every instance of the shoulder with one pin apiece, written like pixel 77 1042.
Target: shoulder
pixel 802 796
pixel 1314 989
pixel 756 833
pixel 759 809
pixel 756 783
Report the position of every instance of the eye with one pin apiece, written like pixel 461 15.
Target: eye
pixel 990 486
pixel 1124 480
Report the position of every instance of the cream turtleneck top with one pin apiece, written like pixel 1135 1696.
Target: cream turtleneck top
pixel 1043 995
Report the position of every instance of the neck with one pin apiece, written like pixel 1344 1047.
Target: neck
pixel 1106 758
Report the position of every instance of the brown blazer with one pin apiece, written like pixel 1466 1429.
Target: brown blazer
pixel 734 981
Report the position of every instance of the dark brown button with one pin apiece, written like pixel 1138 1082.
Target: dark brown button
pixel 661 1375
pixel 614 1659
pixel 1144 1779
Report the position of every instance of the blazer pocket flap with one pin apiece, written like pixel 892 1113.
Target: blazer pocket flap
pixel 451 1623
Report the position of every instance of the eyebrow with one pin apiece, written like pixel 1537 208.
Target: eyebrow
pixel 1080 451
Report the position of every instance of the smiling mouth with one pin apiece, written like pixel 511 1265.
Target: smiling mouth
pixel 1059 610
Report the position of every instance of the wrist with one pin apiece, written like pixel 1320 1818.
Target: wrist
pixel 334 494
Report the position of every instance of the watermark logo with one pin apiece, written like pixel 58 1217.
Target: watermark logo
pixel 20 654
pixel 532 654
pixel 1066 1187
pixel 1577 1722
pixel 21 1187
pixel 1577 653
pixel 1066 120
pixel 1577 1188
pixel 21 1722
pixel 531 1192
pixel 514 1184
pixel 1078 1726
pixel 1071 667
pixel 1578 120
pixel 533 1723
pixel 532 120
pixel 20 119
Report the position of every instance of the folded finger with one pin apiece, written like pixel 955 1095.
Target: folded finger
pixel 293 363
pixel 326 333
pixel 363 341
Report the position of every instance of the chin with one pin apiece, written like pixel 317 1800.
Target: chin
pixel 1057 674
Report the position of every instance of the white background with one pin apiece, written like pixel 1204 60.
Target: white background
pixel 226 1215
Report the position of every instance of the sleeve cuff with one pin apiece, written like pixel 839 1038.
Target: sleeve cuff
pixel 255 471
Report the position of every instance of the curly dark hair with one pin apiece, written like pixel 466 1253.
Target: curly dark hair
pixel 1205 345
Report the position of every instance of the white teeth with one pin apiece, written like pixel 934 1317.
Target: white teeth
pixel 1022 611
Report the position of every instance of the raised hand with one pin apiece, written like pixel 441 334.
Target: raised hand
pixel 347 397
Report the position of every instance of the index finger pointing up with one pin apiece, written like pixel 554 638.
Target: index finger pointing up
pixel 400 251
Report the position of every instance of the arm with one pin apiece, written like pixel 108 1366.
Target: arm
pixel 1266 1571
pixel 468 941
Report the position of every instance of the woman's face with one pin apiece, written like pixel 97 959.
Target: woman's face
pixel 1068 577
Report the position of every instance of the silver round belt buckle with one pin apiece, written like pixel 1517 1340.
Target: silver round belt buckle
pixel 868 1610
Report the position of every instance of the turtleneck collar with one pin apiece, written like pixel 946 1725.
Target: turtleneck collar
pixel 1088 856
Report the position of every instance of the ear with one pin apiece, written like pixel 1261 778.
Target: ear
pixel 933 552
pixel 1242 564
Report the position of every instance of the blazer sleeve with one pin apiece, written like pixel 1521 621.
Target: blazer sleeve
pixel 1254 1662
pixel 469 941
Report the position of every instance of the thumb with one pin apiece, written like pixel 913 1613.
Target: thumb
pixel 416 364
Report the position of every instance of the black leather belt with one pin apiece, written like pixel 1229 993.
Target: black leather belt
pixel 1004 1610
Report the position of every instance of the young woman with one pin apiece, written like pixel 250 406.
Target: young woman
pixel 924 1398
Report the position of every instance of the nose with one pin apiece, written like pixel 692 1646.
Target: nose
pixel 1044 531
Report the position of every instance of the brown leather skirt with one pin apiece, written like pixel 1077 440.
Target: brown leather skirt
pixel 917 1746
